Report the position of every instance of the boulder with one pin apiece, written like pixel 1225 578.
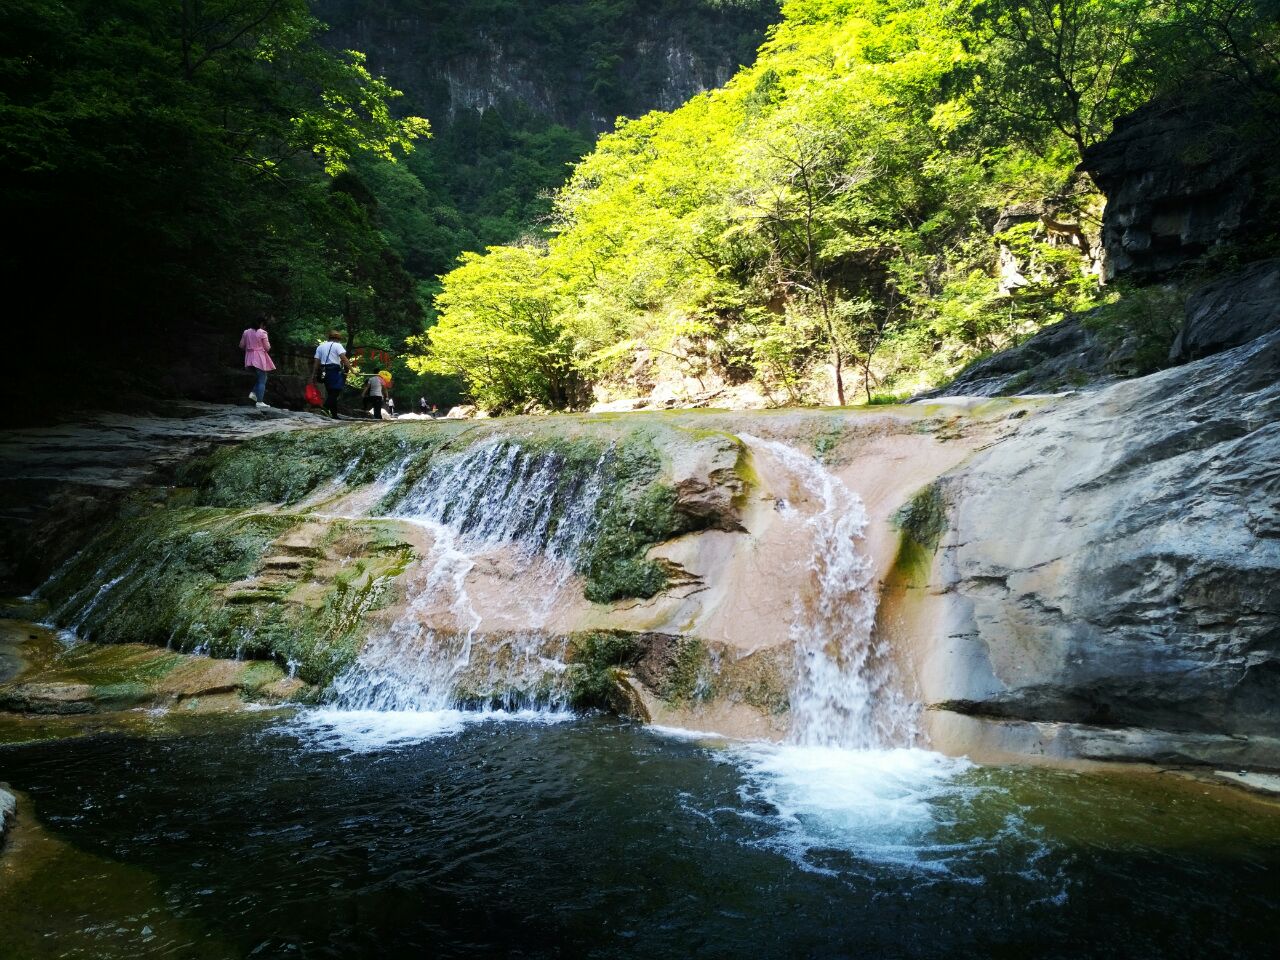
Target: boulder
pixel 51 698
pixel 1230 311
pixel 1064 356
pixel 1118 564
pixel 704 474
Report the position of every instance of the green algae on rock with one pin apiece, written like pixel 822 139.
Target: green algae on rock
pixel 203 580
pixel 57 681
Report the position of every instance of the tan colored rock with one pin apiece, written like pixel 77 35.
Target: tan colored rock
pixel 48 697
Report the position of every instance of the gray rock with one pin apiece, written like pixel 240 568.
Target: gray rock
pixel 1064 356
pixel 1180 179
pixel 1230 311
pixel 58 483
pixel 1117 562
pixel 8 810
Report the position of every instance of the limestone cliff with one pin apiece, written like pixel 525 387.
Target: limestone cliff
pixel 1090 577
pixel 581 65
pixel 1111 576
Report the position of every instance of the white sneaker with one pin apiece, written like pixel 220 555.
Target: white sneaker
pixel 263 406
pixel 252 395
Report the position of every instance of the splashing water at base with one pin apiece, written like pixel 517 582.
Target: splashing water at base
pixel 365 731
pixel 875 805
pixel 848 782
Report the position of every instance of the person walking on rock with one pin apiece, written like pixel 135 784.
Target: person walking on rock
pixel 374 391
pixel 257 357
pixel 331 366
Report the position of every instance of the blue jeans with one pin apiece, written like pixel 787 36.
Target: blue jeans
pixel 260 387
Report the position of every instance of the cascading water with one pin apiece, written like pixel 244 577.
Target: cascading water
pixel 497 494
pixel 845 691
pixel 843 780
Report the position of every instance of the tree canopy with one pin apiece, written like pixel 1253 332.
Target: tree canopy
pixel 182 166
pixel 840 212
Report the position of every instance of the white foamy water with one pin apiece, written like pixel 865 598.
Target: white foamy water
pixel 364 731
pixel 412 664
pixel 844 692
pixel 494 495
pixel 876 805
pixel 87 610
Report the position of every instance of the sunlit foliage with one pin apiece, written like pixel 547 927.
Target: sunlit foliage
pixel 841 209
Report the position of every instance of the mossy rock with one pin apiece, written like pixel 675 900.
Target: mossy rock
pixel 924 517
pixel 594 660
pixel 168 577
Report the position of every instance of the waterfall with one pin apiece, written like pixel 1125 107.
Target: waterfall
pixel 497 494
pixel 845 692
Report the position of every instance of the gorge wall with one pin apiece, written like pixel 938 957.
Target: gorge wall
pixel 1109 584
pixel 1186 176
pixel 581 65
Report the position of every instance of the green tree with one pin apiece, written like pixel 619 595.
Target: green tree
pixel 500 327
pixel 1065 65
pixel 174 161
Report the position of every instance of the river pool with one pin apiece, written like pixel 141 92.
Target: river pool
pixel 344 835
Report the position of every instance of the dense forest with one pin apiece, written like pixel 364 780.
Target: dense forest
pixel 516 93
pixel 890 191
pixel 177 169
pixel 181 168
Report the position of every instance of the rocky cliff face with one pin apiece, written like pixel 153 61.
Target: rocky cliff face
pixel 1233 309
pixel 1112 574
pixel 61 483
pixel 1094 577
pixel 581 65
pixel 1183 177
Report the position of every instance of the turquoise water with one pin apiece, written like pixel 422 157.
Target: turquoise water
pixel 335 836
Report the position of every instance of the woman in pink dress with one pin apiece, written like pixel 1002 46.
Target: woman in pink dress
pixel 257 357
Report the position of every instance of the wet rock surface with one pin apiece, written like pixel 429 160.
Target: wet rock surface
pixel 8 810
pixel 60 679
pixel 705 477
pixel 1117 564
pixel 57 483
pixel 1230 311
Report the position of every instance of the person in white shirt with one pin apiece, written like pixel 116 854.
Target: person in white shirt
pixel 331 366
pixel 374 389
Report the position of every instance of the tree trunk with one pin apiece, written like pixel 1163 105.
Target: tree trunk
pixel 839 367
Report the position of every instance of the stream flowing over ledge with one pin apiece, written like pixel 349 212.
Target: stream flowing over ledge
pixel 1091 576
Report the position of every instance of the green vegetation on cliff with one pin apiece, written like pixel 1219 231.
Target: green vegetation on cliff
pixel 888 192
pixel 516 92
